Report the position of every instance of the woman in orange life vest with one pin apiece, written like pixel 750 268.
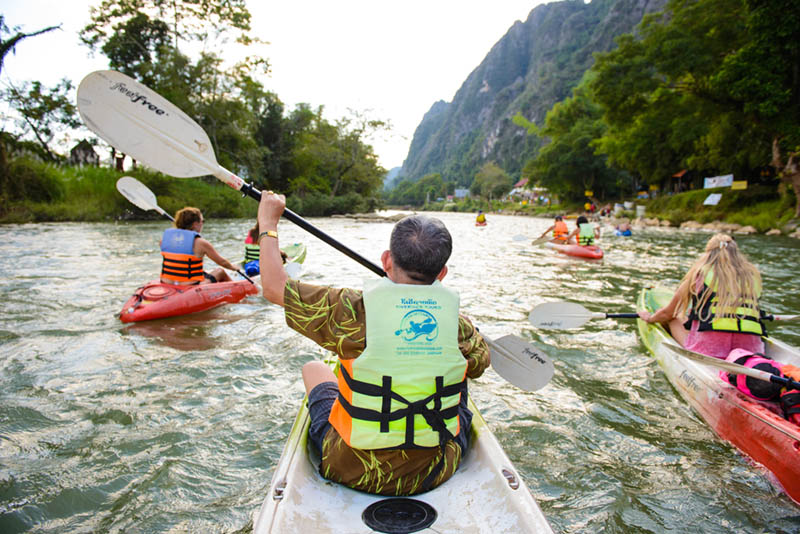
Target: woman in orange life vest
pixel 182 251
pixel 559 229
pixel 721 292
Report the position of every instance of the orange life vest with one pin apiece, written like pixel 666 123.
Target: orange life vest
pixel 560 231
pixel 179 264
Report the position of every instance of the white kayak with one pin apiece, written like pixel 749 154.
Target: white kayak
pixel 486 494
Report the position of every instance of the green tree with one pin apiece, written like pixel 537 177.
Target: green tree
pixel 186 20
pixel 762 80
pixel 491 181
pixel 712 85
pixel 333 158
pixel 569 165
pixel 43 112
pixel 141 39
pixel 135 46
pixel 8 44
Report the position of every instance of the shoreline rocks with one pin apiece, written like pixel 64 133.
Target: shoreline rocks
pixel 714 226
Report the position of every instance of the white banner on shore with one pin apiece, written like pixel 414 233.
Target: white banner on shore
pixel 718 181
pixel 712 199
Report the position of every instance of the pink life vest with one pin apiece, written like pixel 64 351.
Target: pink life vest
pixel 753 387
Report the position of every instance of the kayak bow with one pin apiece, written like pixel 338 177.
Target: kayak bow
pixel 486 494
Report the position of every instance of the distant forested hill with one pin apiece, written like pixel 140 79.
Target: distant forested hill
pixel 535 65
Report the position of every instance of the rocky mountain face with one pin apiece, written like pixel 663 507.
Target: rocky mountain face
pixel 535 65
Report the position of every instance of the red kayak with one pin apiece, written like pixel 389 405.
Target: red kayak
pixel 756 428
pixel 155 300
pixel 579 251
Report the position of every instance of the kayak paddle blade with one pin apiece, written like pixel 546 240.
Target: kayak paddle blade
pixel 144 125
pixel 520 363
pixel 559 315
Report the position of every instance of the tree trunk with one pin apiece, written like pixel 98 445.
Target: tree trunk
pixel 788 173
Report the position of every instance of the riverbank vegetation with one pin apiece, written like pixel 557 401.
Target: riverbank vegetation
pixel 39 191
pixel 706 88
pixel 325 166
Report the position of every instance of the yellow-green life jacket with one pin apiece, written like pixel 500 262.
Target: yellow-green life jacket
pixel 745 319
pixel 586 234
pixel 251 252
pixel 403 391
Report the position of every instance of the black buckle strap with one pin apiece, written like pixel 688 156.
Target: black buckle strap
pixel 435 417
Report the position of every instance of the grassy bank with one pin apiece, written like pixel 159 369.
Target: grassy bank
pixel 38 192
pixel 34 191
pixel 761 207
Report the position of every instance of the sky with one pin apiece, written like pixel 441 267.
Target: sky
pixel 387 60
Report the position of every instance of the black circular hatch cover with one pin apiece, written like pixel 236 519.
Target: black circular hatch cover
pixel 398 515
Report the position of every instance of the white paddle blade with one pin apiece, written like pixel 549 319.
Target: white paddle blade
pixel 559 315
pixel 520 363
pixel 137 193
pixel 144 125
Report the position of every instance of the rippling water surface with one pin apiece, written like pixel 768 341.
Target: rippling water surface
pixel 176 425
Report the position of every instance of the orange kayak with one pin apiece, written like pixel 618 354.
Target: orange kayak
pixel 155 300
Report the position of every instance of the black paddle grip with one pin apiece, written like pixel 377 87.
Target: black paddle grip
pixel 252 192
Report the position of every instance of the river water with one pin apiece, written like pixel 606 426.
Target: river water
pixel 176 425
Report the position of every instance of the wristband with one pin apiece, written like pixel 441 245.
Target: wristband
pixel 270 233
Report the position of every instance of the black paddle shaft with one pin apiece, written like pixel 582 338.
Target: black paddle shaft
pixel 252 192
pixel 785 382
pixel 622 316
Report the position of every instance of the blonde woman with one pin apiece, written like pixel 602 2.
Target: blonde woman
pixel 720 293
pixel 182 250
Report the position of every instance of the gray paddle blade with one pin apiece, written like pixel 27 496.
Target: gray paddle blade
pixel 138 194
pixel 520 363
pixel 143 124
pixel 557 315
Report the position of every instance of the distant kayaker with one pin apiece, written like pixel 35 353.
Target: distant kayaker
pixel 559 229
pixel 251 252
pixel 623 229
pixel 720 292
pixel 182 251
pixel 585 232
pixel 399 341
pixel 481 218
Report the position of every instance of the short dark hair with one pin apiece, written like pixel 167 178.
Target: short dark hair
pixel 420 246
pixel 581 220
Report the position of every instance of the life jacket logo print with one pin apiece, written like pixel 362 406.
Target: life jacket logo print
pixel 418 323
